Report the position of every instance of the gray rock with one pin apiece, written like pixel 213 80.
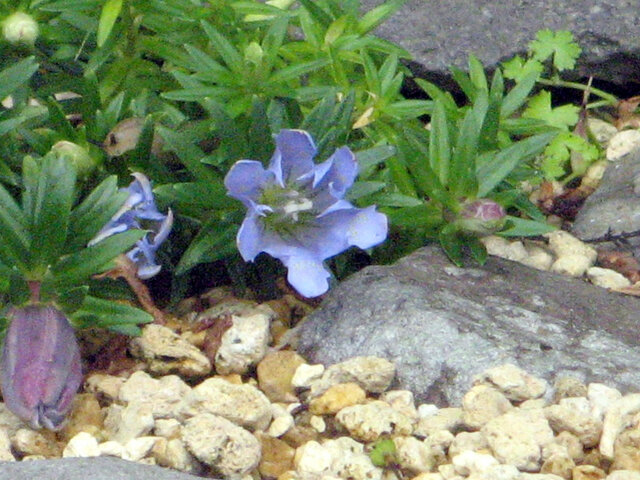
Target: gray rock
pixel 442 325
pixel 615 205
pixel 439 34
pixel 98 468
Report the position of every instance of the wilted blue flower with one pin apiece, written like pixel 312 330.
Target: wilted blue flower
pixel 140 211
pixel 40 366
pixel 296 210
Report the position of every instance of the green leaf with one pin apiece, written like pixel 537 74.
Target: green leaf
pixel 72 299
pixel 19 291
pixel 518 95
pixel 417 217
pixel 374 17
pixel 190 155
pixel 118 317
pixel 539 107
pixel 561 149
pixel 77 267
pixel 214 241
pixel 453 244
pixel 517 69
pixel 383 453
pixel 439 146
pixel 195 196
pixel 492 172
pixel 520 227
pixel 17 75
pixel 559 44
pixel 462 176
pixel 476 73
pixel 368 160
pixel 226 50
pixel 363 188
pixel 110 13
pixel 94 212
pixel 13 232
pixel 477 250
pixel 48 205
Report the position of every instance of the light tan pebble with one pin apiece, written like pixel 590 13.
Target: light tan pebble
pixel 601 130
pixel 572 444
pixel 539 476
pixel 138 448
pixel 623 475
pixel 565 386
pixel 32 442
pixel 277 456
pixel 336 398
pixel 622 143
pixel 472 441
pixel 349 460
pixel 448 471
pixel 601 397
pixel 275 372
pixel 305 375
pixel 5 447
pixel 402 401
pixel 106 386
pixel 439 443
pixel 627 451
pixel 373 374
pixel 173 454
pixel 367 422
pixel 538 258
pixel 111 448
pixel 561 465
pixel 414 455
pixel 282 421
pixel 29 458
pixel 134 420
pixel 513 382
pixel 218 442
pixel 534 403
pixel 244 405
pixel 312 459
pixel 317 423
pixel 8 421
pixel 607 278
pixel 517 437
pixel 167 427
pixel 564 244
pixel 470 462
pixel 574 415
pixel 245 343
pixel 572 265
pixel 82 445
pixel 165 394
pixel 496 472
pixel 588 472
pixel 449 418
pixel 501 247
pixel 165 352
pixel 426 410
pixel 482 403
pixel 615 420
pixel 428 476
pixel 86 416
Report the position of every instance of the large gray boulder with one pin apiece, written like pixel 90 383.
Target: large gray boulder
pixel 98 468
pixel 442 33
pixel 441 324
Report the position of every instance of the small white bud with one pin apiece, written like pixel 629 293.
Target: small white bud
pixel 20 27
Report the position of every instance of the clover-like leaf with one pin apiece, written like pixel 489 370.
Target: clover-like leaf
pixel 560 44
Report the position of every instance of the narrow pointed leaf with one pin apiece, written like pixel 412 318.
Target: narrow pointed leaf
pixel 108 16
pixel 16 75
pixel 225 49
pixel 439 146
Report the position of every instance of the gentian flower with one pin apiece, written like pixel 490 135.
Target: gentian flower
pixel 140 211
pixel 40 366
pixel 297 211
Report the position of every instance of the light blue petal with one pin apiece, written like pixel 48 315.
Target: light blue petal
pixel 333 178
pixel 164 230
pixel 307 275
pixel 246 179
pixel 250 239
pixel 293 159
pixel 368 228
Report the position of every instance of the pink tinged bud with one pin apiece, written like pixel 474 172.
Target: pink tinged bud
pixel 40 366
pixel 482 216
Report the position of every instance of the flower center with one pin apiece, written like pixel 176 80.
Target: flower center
pixel 288 206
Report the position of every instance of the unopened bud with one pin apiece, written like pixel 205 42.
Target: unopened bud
pixel 83 162
pixel 40 366
pixel 482 216
pixel 20 27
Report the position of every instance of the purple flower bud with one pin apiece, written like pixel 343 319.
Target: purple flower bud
pixel 482 216
pixel 40 366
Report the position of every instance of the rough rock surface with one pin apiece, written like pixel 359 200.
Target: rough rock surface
pixel 99 468
pixel 615 205
pixel 441 325
pixel 439 34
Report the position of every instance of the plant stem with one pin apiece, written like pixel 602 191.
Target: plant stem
pixel 556 82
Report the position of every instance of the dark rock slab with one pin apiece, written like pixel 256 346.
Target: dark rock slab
pixel 615 205
pixel 441 324
pixel 98 468
pixel 442 33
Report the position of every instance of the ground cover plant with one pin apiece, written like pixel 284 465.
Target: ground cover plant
pixel 249 128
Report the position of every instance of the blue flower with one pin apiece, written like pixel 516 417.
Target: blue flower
pixel 140 211
pixel 296 210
